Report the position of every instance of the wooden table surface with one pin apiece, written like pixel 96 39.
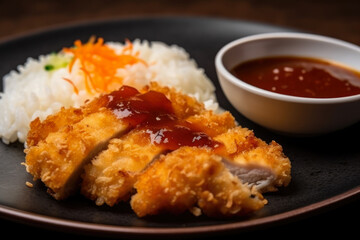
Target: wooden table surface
pixel 339 19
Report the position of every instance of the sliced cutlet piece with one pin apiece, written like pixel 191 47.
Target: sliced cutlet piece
pixel 194 179
pixel 212 123
pixel 39 130
pixel 110 177
pixel 183 106
pixel 58 160
pixel 254 161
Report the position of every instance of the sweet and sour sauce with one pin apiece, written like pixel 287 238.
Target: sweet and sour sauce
pixel 299 76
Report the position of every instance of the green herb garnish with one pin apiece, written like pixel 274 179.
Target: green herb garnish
pixel 49 67
pixel 57 61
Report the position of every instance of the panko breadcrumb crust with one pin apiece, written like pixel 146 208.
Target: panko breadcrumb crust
pixel 91 149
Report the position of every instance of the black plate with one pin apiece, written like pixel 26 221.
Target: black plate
pixel 319 165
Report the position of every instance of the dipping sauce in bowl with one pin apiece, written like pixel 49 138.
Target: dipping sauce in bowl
pixel 299 76
pixel 296 84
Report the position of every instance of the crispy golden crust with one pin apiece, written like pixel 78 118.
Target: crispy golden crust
pixel 192 178
pixel 183 105
pixel 59 146
pixel 112 159
pixel 237 140
pixel 270 156
pixel 39 130
pixel 109 178
pixel 245 149
pixel 59 159
pixel 212 124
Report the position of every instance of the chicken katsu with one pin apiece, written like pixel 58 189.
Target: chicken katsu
pixel 158 148
pixel 109 178
pixel 59 159
pixel 243 168
pixel 59 156
pixel 254 161
pixel 193 179
pixel 182 105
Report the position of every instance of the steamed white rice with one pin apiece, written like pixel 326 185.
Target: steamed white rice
pixel 30 91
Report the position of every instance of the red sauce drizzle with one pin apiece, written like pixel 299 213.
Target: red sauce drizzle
pixel 135 108
pixel 153 113
pixel 299 76
pixel 173 133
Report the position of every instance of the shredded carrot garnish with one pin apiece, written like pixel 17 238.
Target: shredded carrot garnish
pixel 99 63
pixel 76 90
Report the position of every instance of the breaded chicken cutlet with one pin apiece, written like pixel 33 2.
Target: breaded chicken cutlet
pixel 183 106
pixel 254 161
pixel 193 179
pixel 134 139
pixel 59 160
pixel 217 183
pixel 60 146
pixel 110 177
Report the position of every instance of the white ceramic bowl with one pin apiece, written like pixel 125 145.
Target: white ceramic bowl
pixel 282 113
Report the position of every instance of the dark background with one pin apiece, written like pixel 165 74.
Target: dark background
pixel 339 19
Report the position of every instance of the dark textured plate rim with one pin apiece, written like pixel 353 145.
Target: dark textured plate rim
pixel 103 229
pixel 68 225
